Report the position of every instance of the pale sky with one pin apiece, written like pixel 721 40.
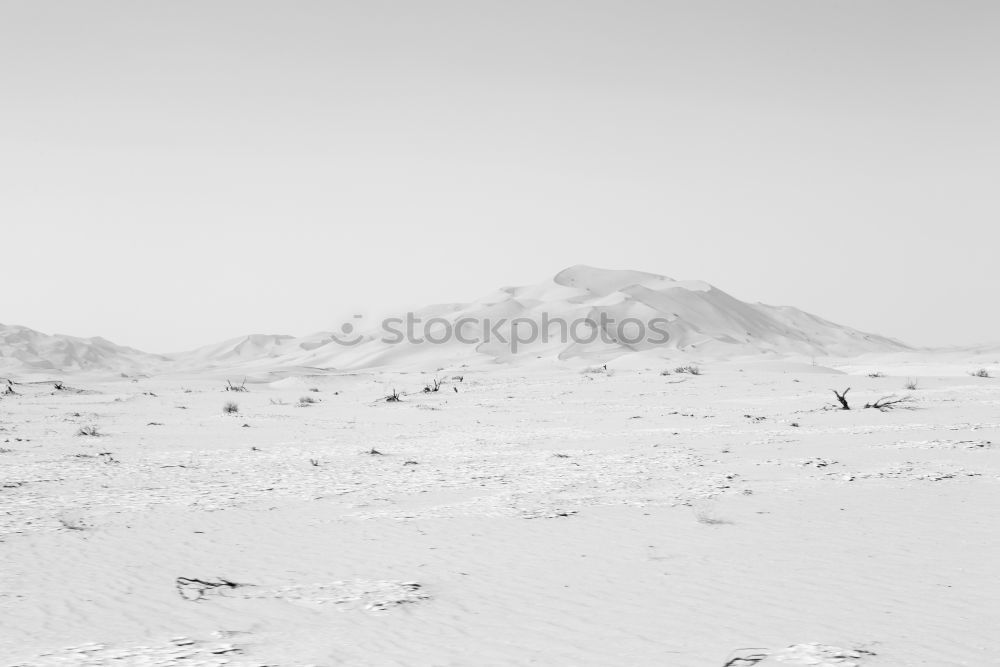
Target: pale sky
pixel 175 173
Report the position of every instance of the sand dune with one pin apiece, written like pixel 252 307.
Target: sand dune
pixel 692 318
pixel 697 319
pixel 23 349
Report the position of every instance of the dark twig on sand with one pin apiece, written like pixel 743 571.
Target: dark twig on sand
pixel 194 589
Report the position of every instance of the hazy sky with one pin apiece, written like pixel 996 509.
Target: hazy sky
pixel 175 173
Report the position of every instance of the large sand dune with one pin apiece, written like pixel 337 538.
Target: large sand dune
pixel 693 318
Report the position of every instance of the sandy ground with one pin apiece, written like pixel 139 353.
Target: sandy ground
pixel 545 516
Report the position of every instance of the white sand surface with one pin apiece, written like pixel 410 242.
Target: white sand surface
pixel 540 515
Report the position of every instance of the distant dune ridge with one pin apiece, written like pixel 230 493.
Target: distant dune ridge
pixel 691 317
pixel 24 349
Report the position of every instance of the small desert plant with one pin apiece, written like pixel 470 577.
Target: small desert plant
pixel 393 397
pixel 890 403
pixel 306 401
pixel 911 384
pixel 690 369
pixel 314 462
pixel 458 378
pixel 72 524
pixel 232 387
pixel 434 386
pixel 876 374
pixel 89 431
pixel 842 398
pixel 278 401
pixel 230 408
pixel 981 373
pixel 664 372
pixel 705 516
pixel 314 389
pixel 9 391
pixel 597 370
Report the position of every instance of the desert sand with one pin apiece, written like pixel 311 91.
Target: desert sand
pixel 555 514
pixel 706 502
